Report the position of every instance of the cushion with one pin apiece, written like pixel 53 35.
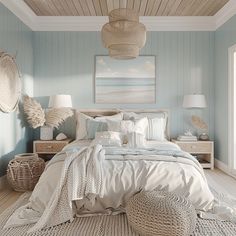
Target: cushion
pixel 157 124
pixel 108 138
pixel 136 140
pixel 128 126
pixel 94 126
pixel 81 127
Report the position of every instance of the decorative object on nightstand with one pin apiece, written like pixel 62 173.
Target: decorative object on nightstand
pixel 203 150
pixel 36 116
pixel 24 171
pixel 197 101
pixel 42 147
pixel 199 124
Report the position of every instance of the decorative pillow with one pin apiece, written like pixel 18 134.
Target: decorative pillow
pixel 128 126
pixel 136 140
pixel 108 138
pixel 94 126
pixel 118 116
pixel 81 128
pixel 156 124
pixel 156 129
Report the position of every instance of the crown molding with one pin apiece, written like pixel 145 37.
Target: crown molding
pixel 95 23
pixel 22 11
pixel 224 14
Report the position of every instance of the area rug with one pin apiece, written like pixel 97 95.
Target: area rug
pixel 105 226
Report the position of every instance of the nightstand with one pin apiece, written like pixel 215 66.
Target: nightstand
pixel 203 150
pixel 50 147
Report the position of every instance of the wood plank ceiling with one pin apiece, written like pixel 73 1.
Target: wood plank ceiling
pixel 144 7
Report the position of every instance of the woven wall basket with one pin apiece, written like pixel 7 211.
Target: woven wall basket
pixel 24 171
pixel 10 85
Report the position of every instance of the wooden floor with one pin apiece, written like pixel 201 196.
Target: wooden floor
pixel 8 196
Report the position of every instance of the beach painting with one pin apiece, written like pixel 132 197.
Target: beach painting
pixel 125 81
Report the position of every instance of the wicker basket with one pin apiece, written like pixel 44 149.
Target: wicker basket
pixel 24 171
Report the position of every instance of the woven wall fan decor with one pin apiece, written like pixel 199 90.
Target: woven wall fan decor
pixel 124 35
pixel 10 84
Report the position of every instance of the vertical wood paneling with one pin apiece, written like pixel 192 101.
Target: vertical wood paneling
pixel 15 37
pixel 65 64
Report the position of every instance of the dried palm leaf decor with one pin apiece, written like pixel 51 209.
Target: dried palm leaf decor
pixel 37 117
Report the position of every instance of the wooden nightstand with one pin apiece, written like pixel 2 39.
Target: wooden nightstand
pixel 203 150
pixel 50 147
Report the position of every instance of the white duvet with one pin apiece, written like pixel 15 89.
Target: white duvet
pixel 95 180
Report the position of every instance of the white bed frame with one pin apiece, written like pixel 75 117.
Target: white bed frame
pixel 109 112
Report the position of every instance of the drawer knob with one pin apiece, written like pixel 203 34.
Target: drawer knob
pixel 49 146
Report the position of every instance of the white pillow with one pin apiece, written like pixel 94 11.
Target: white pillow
pixel 136 140
pixel 156 129
pixel 156 124
pixel 81 126
pixel 108 138
pixel 118 116
pixel 128 126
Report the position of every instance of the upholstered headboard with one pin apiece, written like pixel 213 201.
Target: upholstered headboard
pixel 109 112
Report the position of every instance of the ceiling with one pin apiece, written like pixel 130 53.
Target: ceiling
pixel 144 7
pixel 91 15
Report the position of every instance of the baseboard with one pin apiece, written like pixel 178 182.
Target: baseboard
pixel 3 182
pixel 223 167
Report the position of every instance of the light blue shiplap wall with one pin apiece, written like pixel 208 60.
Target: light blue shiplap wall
pixel 64 63
pixel 225 37
pixel 15 37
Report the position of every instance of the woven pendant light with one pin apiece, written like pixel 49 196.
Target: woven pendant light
pixel 123 35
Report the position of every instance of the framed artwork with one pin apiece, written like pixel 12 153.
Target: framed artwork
pixel 125 81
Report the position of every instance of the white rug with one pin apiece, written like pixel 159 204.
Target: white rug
pixel 106 226
pixel 115 225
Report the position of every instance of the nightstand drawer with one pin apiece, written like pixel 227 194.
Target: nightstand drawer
pixel 49 147
pixel 198 147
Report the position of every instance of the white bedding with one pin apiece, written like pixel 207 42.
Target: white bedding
pixel 108 181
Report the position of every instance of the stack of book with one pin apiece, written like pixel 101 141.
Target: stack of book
pixel 187 138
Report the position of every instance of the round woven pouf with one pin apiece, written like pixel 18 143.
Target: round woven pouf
pixel 161 213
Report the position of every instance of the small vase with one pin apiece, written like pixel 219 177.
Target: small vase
pixel 46 132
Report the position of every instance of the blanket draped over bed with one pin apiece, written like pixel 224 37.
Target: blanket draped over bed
pixel 97 180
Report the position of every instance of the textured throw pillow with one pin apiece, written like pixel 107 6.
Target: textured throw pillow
pixel 156 129
pixel 136 140
pixel 108 138
pixel 156 124
pixel 94 126
pixel 128 126
pixel 81 127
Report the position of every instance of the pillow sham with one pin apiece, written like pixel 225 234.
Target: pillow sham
pixel 94 126
pixel 108 138
pixel 128 126
pixel 81 119
pixel 157 123
pixel 136 140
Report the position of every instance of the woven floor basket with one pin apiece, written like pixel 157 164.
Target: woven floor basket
pixel 161 213
pixel 24 171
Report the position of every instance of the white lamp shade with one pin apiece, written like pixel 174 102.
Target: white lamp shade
pixel 61 100
pixel 194 101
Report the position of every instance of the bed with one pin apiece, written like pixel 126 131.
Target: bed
pixel 97 176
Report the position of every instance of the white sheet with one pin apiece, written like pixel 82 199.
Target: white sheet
pixel 121 179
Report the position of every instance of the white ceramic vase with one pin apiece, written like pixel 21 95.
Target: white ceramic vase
pixel 46 132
